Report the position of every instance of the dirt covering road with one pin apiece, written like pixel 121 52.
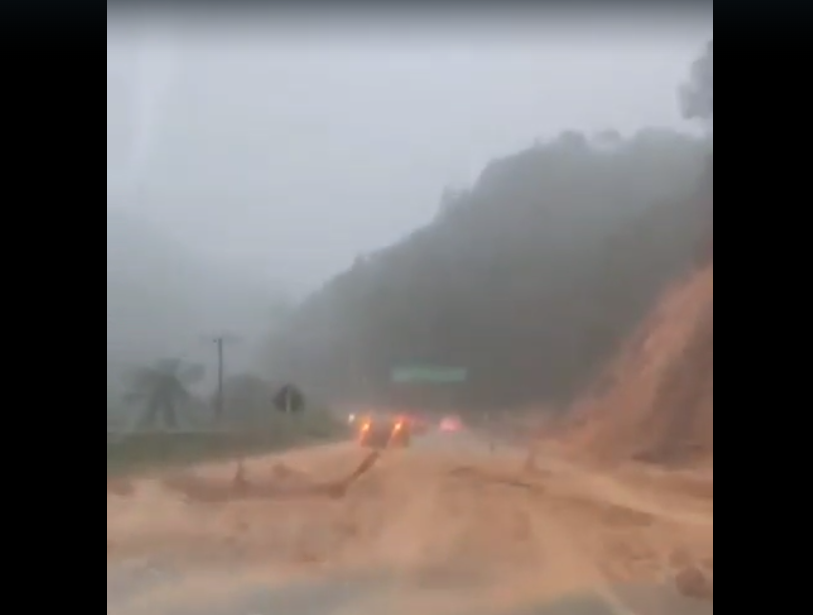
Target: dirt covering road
pixel 446 528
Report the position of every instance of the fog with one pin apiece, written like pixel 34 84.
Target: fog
pixel 247 165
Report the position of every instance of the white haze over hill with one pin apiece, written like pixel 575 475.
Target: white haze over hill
pixel 165 302
pixel 248 165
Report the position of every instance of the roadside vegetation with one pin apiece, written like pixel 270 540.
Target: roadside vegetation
pixel 159 421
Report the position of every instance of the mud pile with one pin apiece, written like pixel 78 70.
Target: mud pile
pixel 655 403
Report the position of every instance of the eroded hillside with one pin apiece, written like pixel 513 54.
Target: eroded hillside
pixel 656 401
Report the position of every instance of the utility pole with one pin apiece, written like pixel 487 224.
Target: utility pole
pixel 220 341
pixel 219 398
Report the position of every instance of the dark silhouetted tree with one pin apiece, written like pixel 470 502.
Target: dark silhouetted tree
pixel 162 389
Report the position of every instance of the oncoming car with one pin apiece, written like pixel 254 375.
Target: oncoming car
pixel 450 424
pixel 385 432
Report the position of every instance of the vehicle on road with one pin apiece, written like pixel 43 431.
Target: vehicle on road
pixel 450 424
pixel 418 423
pixel 385 432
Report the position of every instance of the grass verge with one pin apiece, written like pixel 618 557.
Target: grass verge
pixel 140 452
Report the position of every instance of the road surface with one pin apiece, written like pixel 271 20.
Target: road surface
pixel 446 528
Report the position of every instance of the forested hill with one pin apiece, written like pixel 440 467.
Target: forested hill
pixel 529 279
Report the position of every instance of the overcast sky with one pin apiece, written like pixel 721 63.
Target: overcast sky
pixel 288 150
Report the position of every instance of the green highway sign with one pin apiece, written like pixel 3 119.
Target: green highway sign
pixel 428 374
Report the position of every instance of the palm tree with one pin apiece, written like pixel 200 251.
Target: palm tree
pixel 163 388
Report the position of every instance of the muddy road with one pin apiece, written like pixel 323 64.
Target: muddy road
pixel 446 527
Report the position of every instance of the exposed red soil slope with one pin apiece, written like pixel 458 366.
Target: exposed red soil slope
pixel 656 401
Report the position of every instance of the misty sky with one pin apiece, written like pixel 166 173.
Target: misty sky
pixel 286 152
